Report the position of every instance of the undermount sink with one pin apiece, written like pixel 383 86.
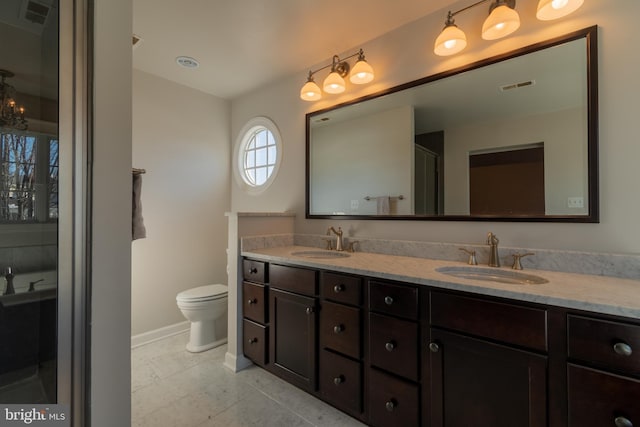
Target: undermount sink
pixel 493 275
pixel 320 254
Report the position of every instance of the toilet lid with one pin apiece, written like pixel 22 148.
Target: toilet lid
pixel 208 292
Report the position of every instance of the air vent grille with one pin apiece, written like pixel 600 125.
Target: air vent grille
pixel 517 85
pixel 36 13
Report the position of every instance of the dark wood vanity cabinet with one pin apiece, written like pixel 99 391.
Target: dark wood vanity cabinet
pixel 293 311
pixel 603 374
pixel 488 363
pixel 396 354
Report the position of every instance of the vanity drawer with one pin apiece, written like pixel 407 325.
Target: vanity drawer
pixel 340 329
pixel 341 288
pixel 597 398
pixel 298 280
pixel 604 343
pixel 397 300
pixel 341 381
pixel 392 402
pixel 394 345
pixel 254 271
pixel 254 302
pixel 509 323
pixel 255 341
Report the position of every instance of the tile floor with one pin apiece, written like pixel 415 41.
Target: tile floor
pixel 172 387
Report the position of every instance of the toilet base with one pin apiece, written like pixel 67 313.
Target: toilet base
pixel 200 348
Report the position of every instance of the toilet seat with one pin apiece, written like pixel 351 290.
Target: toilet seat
pixel 203 293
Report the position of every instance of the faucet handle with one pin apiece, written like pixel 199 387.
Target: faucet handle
pixel 352 245
pixel 516 260
pixel 472 256
pixel 329 244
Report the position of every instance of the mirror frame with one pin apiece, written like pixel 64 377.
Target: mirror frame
pixel 590 35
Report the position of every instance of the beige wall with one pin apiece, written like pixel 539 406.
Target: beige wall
pixel 407 54
pixel 181 137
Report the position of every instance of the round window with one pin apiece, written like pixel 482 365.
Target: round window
pixel 257 155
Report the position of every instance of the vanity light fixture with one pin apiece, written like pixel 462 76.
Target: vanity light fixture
pixel 503 20
pixel 361 73
pixel 11 116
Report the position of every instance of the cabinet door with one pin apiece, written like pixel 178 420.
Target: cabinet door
pixel 478 383
pixel 292 346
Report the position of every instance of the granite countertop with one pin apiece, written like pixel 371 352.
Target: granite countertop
pixel 601 294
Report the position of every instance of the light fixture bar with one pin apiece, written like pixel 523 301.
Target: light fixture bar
pixel 361 73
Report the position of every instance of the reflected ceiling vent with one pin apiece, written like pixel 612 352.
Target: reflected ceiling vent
pixel 136 40
pixel 517 85
pixel 34 12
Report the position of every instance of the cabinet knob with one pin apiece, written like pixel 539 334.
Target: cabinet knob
pixel 253 270
pixel 309 310
pixel 391 405
pixel 253 340
pixel 623 349
pixel 338 328
pixel 338 380
pixel 388 300
pixel 338 288
pixel 623 422
pixel 434 347
pixel 390 346
pixel 252 301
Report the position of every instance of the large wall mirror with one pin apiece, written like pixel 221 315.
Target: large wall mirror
pixel 509 138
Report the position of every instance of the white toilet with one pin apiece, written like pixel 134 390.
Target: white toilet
pixel 206 308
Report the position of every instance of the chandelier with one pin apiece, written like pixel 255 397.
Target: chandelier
pixel 10 115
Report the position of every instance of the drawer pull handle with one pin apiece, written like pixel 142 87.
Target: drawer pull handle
pixel 623 349
pixel 338 380
pixel 623 422
pixel 309 310
pixel 434 347
pixel 338 288
pixel 391 405
pixel 390 346
pixel 253 340
pixel 252 301
pixel 338 328
pixel 388 300
pixel 253 270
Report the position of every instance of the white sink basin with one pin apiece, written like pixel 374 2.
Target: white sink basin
pixel 493 275
pixel 320 254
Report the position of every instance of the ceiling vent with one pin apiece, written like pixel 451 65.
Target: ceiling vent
pixel 34 12
pixel 517 85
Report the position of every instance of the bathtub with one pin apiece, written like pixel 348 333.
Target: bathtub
pixel 44 290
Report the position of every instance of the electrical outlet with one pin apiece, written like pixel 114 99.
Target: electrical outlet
pixel 354 205
pixel 575 202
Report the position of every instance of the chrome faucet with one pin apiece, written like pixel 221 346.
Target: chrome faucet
pixel 338 234
pixel 8 276
pixel 494 257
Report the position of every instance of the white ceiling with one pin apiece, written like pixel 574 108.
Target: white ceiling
pixel 244 44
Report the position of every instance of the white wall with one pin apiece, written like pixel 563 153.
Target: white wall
pixel 407 54
pixel 110 374
pixel 181 137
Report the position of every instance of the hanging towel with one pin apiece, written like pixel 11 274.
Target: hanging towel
pixel 138 231
pixel 384 205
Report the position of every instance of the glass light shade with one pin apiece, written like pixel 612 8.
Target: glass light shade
pixel 501 22
pixel 361 73
pixel 333 83
pixel 310 91
pixel 450 41
pixel 554 9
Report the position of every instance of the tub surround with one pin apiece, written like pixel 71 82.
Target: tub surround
pixel 610 285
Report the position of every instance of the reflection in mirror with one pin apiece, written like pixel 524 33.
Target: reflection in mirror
pixel 508 138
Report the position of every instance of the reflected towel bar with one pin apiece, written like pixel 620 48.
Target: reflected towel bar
pixel 400 197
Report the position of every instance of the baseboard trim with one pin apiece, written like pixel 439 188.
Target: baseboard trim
pixel 236 363
pixel 160 333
